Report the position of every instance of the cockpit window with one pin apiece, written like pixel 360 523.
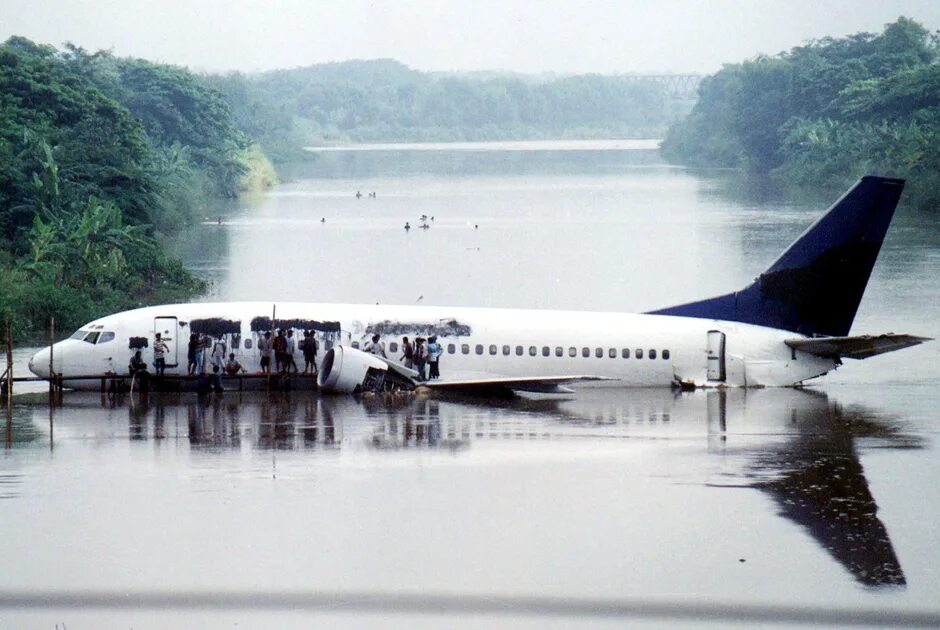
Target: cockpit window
pixel 79 334
pixel 92 337
pixel 105 337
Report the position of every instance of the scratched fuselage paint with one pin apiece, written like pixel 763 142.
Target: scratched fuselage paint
pixel 451 328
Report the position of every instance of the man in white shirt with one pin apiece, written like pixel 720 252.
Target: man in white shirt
pixel 159 355
pixel 376 347
pixel 291 348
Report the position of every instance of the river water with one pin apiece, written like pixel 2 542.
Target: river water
pixel 656 507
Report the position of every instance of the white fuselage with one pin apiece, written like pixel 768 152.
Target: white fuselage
pixel 634 349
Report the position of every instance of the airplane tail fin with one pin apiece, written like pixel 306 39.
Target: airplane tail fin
pixel 815 286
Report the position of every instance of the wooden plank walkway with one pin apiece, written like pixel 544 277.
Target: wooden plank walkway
pixel 181 382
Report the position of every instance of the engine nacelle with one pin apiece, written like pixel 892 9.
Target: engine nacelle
pixel 346 370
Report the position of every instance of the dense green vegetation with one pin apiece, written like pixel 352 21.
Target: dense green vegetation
pixel 826 113
pixel 385 101
pixel 99 157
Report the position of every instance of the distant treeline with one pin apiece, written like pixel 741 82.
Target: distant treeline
pixel 100 156
pixel 385 101
pixel 826 113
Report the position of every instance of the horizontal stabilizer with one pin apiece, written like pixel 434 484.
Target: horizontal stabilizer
pixel 859 347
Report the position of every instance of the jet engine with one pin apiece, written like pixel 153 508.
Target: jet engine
pixel 345 370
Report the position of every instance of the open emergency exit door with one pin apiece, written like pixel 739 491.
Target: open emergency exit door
pixel 715 353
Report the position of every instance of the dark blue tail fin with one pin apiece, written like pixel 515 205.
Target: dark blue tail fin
pixel 815 287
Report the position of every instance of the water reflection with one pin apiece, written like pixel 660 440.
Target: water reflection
pixel 817 481
pixel 798 447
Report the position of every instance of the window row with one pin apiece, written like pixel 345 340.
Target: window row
pixel 547 351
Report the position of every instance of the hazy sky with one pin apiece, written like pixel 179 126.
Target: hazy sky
pixel 518 35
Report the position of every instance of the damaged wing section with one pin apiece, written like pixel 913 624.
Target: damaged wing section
pixel 513 386
pixel 346 370
pixel 858 347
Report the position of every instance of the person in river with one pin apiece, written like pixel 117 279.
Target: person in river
pixel 376 347
pixel 291 349
pixel 407 353
pixel 138 369
pixel 266 348
pixel 310 348
pixel 434 356
pixel 159 354
pixel 420 357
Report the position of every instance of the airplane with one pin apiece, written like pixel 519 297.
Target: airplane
pixel 790 325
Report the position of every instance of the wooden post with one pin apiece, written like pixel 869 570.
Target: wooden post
pixel 9 364
pixel 9 384
pixel 51 366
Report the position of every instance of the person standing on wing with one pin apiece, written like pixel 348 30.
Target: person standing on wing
pixel 434 355
pixel 420 357
pixel 407 353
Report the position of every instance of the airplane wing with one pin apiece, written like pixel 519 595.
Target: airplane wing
pixel 511 385
pixel 858 347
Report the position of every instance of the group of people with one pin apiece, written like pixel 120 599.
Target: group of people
pixel 281 349
pixel 423 358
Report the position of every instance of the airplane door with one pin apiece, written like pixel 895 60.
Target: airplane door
pixel 166 326
pixel 716 355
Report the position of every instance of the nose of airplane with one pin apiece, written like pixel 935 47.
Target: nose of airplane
pixel 39 363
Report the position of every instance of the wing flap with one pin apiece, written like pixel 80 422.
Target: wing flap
pixel 858 347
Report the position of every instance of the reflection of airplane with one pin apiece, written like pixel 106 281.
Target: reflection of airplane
pixel 789 325
pixel 796 446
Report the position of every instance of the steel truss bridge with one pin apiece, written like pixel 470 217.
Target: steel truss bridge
pixel 679 86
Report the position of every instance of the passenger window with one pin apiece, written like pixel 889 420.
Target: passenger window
pixel 625 353
pixel 355 345
pixel 106 337
pixel 465 348
pixel 451 348
pixel 665 354
pixel 585 352
pixel 598 352
pixel 559 351
pixel 572 351
pixel 533 351
pixel 612 353
pixel 639 353
pixel 248 344
pixel 479 348
pixel 92 337
pixel 518 351
pixel 506 351
pixel 546 351
pixel 493 350
pixel 652 354
pixel 393 346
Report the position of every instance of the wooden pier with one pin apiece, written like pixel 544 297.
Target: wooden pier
pixel 114 383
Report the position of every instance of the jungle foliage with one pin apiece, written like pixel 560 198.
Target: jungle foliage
pixel 825 113
pixel 385 101
pixel 99 157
